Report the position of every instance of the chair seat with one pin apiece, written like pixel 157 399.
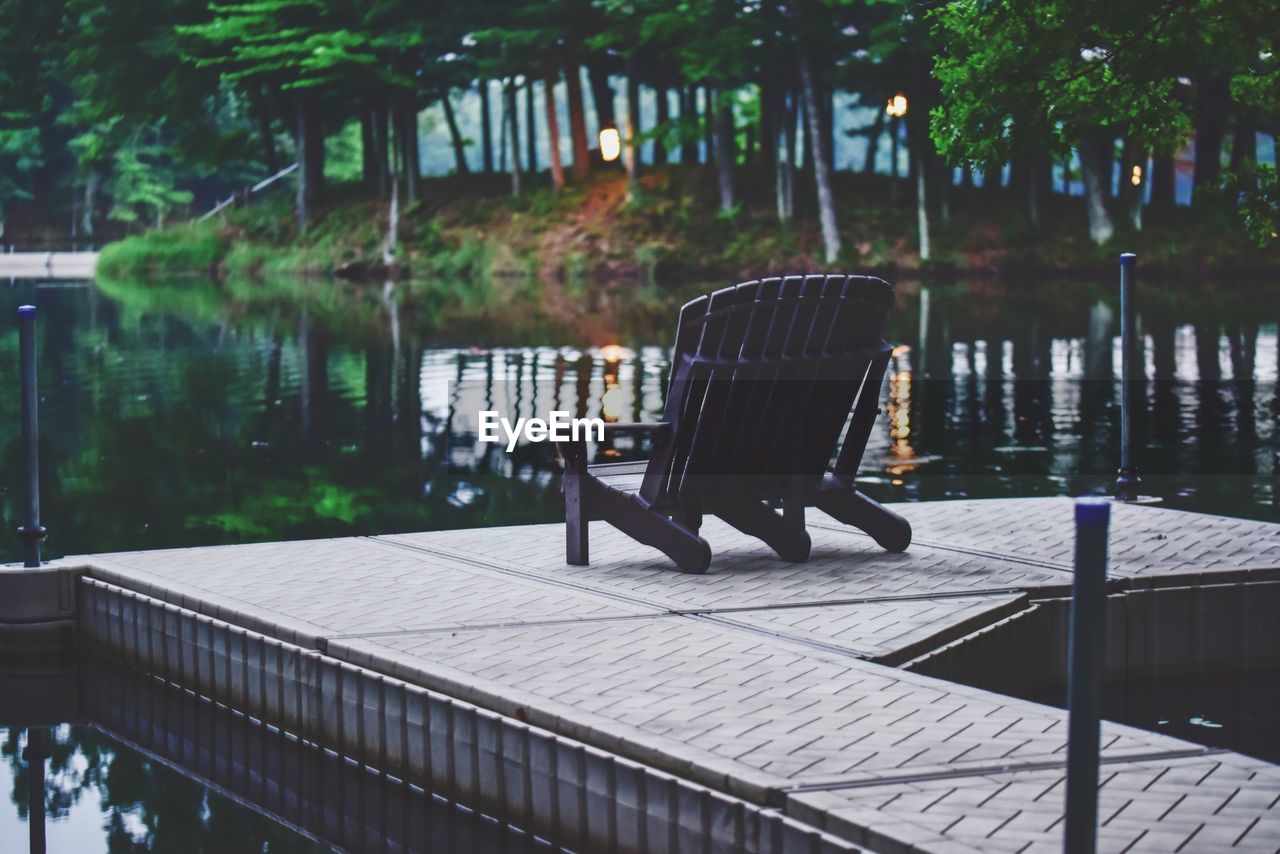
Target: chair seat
pixel 620 477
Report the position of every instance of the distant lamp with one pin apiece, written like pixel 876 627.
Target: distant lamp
pixel 1136 178
pixel 610 143
pixel 897 106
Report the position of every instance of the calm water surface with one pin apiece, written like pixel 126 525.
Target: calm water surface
pixel 189 413
pixel 135 765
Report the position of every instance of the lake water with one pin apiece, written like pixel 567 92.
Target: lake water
pixel 136 765
pixel 189 413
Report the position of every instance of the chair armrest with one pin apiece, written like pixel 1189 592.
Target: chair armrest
pixel 655 427
pixel 574 452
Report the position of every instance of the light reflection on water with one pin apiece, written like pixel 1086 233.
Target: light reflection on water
pixel 189 413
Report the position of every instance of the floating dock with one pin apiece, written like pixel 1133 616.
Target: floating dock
pixel 48 265
pixel 765 706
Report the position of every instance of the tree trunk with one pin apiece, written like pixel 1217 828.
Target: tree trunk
pixel 709 121
pixel 486 129
pixel 301 142
pixel 514 138
pixel 769 94
pixel 577 122
pixel 368 169
pixel 455 137
pixel 1244 142
pixel 91 181
pixel 784 176
pixel 873 143
pixel 663 115
pixel 264 130
pixel 315 126
pixel 784 126
pixel 688 125
pixel 1213 94
pixel 1133 161
pixel 922 208
pixel 1163 176
pixel 553 134
pixel 393 211
pixel 530 129
pixel 822 168
pixel 829 123
pixel 380 154
pixel 895 133
pixel 1094 158
pixel 1034 180
pixel 502 127
pixel 632 150
pixel 409 138
pixel 601 94
pixel 945 177
pixel 802 123
pixel 724 147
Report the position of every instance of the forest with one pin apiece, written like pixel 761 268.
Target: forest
pixel 129 116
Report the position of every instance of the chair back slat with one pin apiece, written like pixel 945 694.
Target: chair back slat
pixel 764 378
pixel 714 421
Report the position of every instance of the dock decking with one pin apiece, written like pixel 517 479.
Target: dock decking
pixel 48 265
pixel 773 682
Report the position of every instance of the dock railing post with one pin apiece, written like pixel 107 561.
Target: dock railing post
pixel 31 532
pixel 1127 480
pixel 1085 669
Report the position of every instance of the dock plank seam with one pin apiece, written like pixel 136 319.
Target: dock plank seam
pixel 897 656
pixel 987 770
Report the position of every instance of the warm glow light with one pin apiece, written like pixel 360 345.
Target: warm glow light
pixel 613 353
pixel 611 403
pixel 897 106
pixel 1136 178
pixel 610 144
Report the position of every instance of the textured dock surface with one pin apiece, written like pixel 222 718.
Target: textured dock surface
pixel 771 681
pixel 48 265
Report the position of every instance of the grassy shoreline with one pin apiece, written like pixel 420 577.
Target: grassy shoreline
pixel 469 226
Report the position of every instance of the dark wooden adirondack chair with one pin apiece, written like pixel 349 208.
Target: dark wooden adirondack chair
pixel 764 378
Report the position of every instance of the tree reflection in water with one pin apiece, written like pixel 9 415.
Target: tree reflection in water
pixel 195 413
pixel 144 805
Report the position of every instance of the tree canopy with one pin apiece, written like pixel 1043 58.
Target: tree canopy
pixel 138 108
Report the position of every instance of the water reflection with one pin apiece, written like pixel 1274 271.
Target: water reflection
pixel 149 767
pixel 192 413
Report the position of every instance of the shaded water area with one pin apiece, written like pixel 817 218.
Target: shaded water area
pixel 1236 711
pixel 185 412
pixel 133 764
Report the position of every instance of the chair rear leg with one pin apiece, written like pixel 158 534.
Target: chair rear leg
pixel 887 528
pixel 690 552
pixel 784 536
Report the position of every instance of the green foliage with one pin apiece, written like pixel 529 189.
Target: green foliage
pixel 1258 190
pixel 1019 76
pixel 342 154
pixel 142 182
pixel 188 248
pixel 1022 76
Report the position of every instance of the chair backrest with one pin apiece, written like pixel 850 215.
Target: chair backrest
pixel 764 376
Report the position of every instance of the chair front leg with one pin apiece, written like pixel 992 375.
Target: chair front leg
pixel 576 549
